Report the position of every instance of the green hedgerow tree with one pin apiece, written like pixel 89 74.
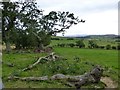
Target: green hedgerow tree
pixel 92 44
pixel 24 25
pixel 80 44
pixel 108 47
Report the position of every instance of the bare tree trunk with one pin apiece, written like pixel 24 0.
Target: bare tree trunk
pixel 41 46
pixel 7 43
pixel 8 48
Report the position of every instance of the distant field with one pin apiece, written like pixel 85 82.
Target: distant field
pixel 99 41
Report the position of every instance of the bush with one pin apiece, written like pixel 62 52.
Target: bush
pixel 118 47
pixel 117 40
pixel 61 45
pixel 108 47
pixel 71 44
pixel 55 38
pixel 70 38
pixel 114 47
pixel 101 47
pixel 80 44
pixel 92 44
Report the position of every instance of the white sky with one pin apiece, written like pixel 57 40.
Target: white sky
pixel 101 15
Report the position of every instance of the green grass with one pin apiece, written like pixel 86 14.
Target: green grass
pixel 72 66
pixel 94 55
pixel 32 84
pixel 106 58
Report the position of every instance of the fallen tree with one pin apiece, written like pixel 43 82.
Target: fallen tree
pixel 51 57
pixel 93 76
pixel 8 64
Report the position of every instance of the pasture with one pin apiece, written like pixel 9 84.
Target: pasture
pixel 77 62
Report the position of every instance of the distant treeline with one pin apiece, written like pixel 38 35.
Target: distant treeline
pixel 91 44
pixel 107 47
pixel 61 38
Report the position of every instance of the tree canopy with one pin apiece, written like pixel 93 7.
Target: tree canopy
pixel 26 26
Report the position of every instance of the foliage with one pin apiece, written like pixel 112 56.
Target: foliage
pixel 101 47
pixel 9 13
pixel 101 44
pixel 55 38
pixel 71 44
pixel 118 46
pixel 61 45
pixel 92 44
pixel 118 40
pixel 70 38
pixel 114 47
pixel 108 47
pixel 80 44
pixel 56 22
pixel 25 26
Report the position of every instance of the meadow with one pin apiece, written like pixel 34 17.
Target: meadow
pixel 77 61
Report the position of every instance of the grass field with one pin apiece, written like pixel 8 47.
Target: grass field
pixel 77 61
pixel 87 58
pixel 106 58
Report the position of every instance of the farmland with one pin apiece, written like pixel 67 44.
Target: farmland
pixel 99 40
pixel 77 61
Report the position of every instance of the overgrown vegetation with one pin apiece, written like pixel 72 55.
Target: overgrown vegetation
pixel 76 62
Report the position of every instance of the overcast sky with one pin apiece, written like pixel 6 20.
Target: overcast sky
pixel 101 15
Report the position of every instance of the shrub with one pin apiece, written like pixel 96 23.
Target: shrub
pixel 118 47
pixel 114 47
pixel 92 44
pixel 70 38
pixel 71 44
pixel 108 47
pixel 117 40
pixel 101 47
pixel 55 38
pixel 80 44
pixel 61 45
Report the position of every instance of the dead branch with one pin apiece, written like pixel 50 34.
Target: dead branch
pixel 31 66
pixel 50 57
pixel 93 76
